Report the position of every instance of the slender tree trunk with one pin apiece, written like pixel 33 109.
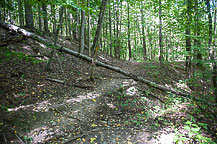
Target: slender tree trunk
pixel 106 39
pixel 66 21
pixel 88 30
pixel 28 14
pixel 77 22
pixel 9 12
pixel 4 12
pixel 20 9
pixel 94 47
pixel 69 18
pixel 53 18
pixel 110 31
pixel 197 42
pixel 114 31
pixel 129 45
pixel 44 9
pixel 188 39
pixel 118 31
pixel 210 28
pixel 39 17
pixel 214 77
pixel 81 41
pixel 99 27
pixel 160 34
pixel 143 33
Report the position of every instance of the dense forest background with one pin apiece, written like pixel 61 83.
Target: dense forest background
pixel 164 37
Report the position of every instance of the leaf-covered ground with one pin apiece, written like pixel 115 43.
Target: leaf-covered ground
pixel 111 109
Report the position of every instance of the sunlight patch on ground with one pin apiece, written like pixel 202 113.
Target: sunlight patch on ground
pixel 128 83
pixel 34 107
pixel 131 91
pixel 80 98
pixel 167 138
pixel 42 134
pixel 183 85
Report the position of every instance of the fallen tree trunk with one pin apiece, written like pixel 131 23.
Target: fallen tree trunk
pixel 98 63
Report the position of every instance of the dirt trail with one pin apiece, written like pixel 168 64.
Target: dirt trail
pixel 85 117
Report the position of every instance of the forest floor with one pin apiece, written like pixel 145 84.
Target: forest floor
pixel 35 108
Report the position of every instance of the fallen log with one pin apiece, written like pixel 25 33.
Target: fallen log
pixel 98 63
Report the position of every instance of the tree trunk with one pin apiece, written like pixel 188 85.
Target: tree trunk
pixel 110 30
pixel 53 18
pixel 210 28
pixel 188 39
pixel 88 30
pixel 39 17
pixel 197 43
pixel 118 31
pixel 99 27
pixel 160 34
pixel 114 31
pixel 20 9
pixel 66 22
pixel 129 45
pixel 143 33
pixel 28 14
pixel 119 42
pixel 81 41
pixel 69 18
pixel 44 9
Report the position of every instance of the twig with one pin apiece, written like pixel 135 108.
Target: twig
pixel 62 82
pixel 18 137
pixel 55 80
pixel 5 137
pixel 37 56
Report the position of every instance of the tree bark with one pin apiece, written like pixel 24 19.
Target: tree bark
pixel 197 41
pixel 129 45
pixel 20 8
pixel 110 30
pixel 143 33
pixel 99 27
pixel 98 63
pixel 39 17
pixel 28 14
pixel 44 9
pixel 81 41
pixel 188 39
pixel 88 29
pixel 118 31
pixel 160 34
